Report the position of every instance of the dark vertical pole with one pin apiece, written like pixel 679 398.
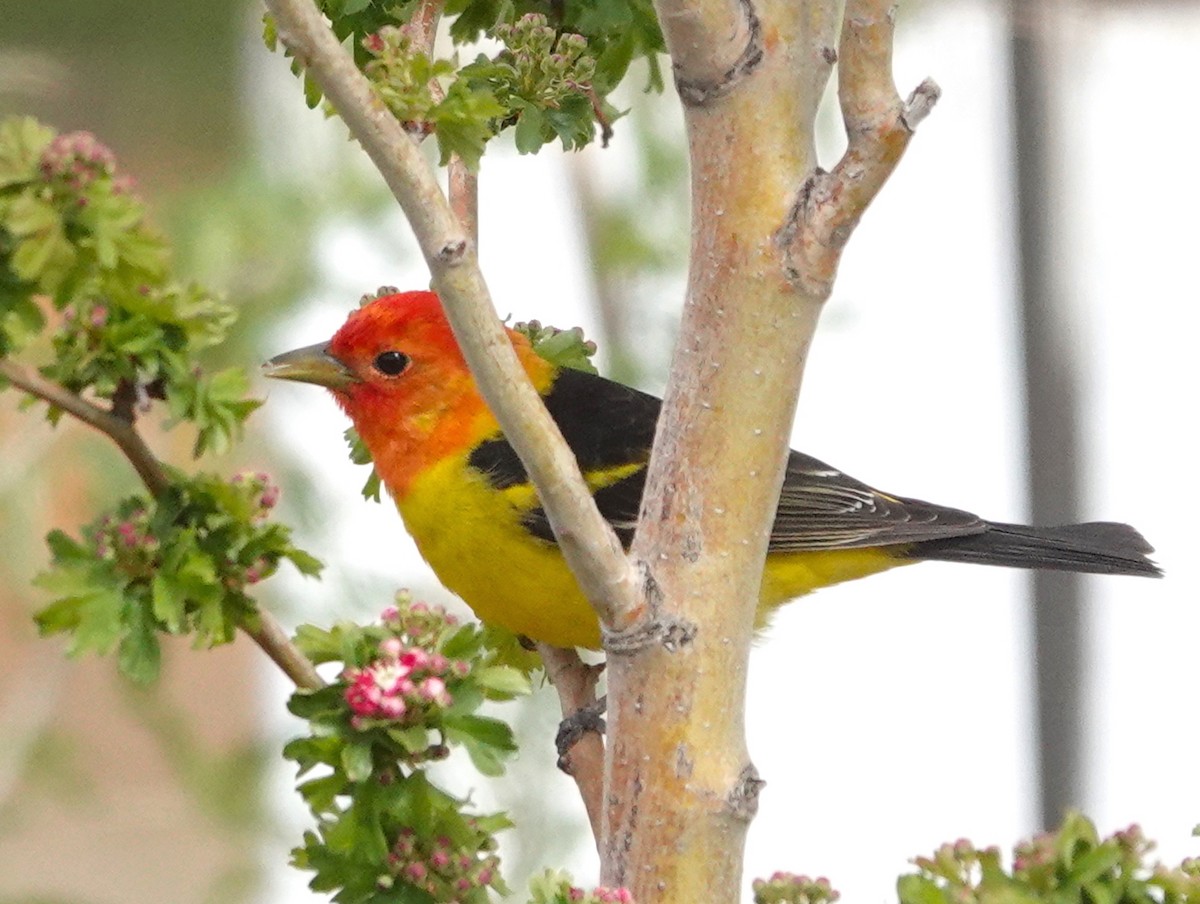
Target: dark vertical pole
pixel 1052 426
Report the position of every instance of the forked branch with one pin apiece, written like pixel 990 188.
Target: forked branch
pixel 266 632
pixel 878 129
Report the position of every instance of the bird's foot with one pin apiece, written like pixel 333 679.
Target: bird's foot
pixel 586 719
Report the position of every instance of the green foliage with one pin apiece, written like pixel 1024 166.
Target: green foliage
pixel 177 564
pixel 361 455
pixel 788 888
pixel 1071 865
pixel 555 887
pixel 566 348
pixel 551 81
pixel 73 232
pixel 617 31
pixel 409 689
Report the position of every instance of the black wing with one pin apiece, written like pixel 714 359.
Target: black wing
pixel 611 427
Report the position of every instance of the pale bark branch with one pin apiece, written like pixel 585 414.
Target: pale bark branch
pixel 463 188
pixel 878 129
pixel 588 543
pixel 267 633
pixel 270 636
pixel 575 681
pixel 713 44
pixel 768 228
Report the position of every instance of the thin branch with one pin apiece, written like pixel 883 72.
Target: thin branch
pixel 268 633
pixel 588 543
pixel 464 196
pixel 423 25
pixel 121 431
pixel 878 129
pixel 575 682
pixel 462 184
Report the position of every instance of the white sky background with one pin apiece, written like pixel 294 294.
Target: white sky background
pixel 892 714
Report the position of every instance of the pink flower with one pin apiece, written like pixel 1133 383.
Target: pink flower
pixel 414 659
pixel 434 690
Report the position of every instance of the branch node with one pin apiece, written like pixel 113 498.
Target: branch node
pixel 829 54
pixel 920 103
pixel 585 720
pixel 743 799
pixel 452 252
pixel 668 631
pixel 700 92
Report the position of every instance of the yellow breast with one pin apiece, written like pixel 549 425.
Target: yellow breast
pixel 472 536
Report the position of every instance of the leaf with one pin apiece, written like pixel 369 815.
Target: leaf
pixel 22 141
pixel 357 761
pixel 414 738
pixel 139 654
pixel 503 679
pixel 528 134
pixel 308 565
pixel 487 741
pixel 920 890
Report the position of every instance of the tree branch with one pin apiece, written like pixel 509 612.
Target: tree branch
pixel 713 44
pixel 586 540
pixel 878 128
pixel 463 187
pixel 267 633
pixel 120 430
pixel 575 681
pixel 768 228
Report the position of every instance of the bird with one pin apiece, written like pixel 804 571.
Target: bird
pixel 395 368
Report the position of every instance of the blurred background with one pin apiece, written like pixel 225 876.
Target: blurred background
pixel 1017 310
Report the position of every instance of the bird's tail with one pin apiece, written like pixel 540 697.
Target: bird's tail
pixel 1098 547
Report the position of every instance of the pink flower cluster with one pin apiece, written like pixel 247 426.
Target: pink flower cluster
pixel 449 873
pixel 127 541
pixel 402 684
pixel 266 492
pixel 794 889
pixel 77 159
pixel 421 623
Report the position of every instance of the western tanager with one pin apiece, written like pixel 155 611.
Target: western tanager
pixel 396 370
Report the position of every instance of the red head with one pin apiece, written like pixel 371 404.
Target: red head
pixel 397 371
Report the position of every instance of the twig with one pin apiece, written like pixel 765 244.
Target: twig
pixel 121 431
pixel 878 129
pixel 464 196
pixel 575 682
pixel 423 25
pixel 586 540
pixel 274 641
pixel 462 184
pixel 268 633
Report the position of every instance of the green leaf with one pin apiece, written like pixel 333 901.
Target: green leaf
pixel 528 134
pixel 488 741
pixel 920 890
pixel 139 654
pixel 357 761
pixel 414 738
pixel 22 141
pixel 503 679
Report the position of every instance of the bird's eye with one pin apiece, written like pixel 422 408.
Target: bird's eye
pixel 391 364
